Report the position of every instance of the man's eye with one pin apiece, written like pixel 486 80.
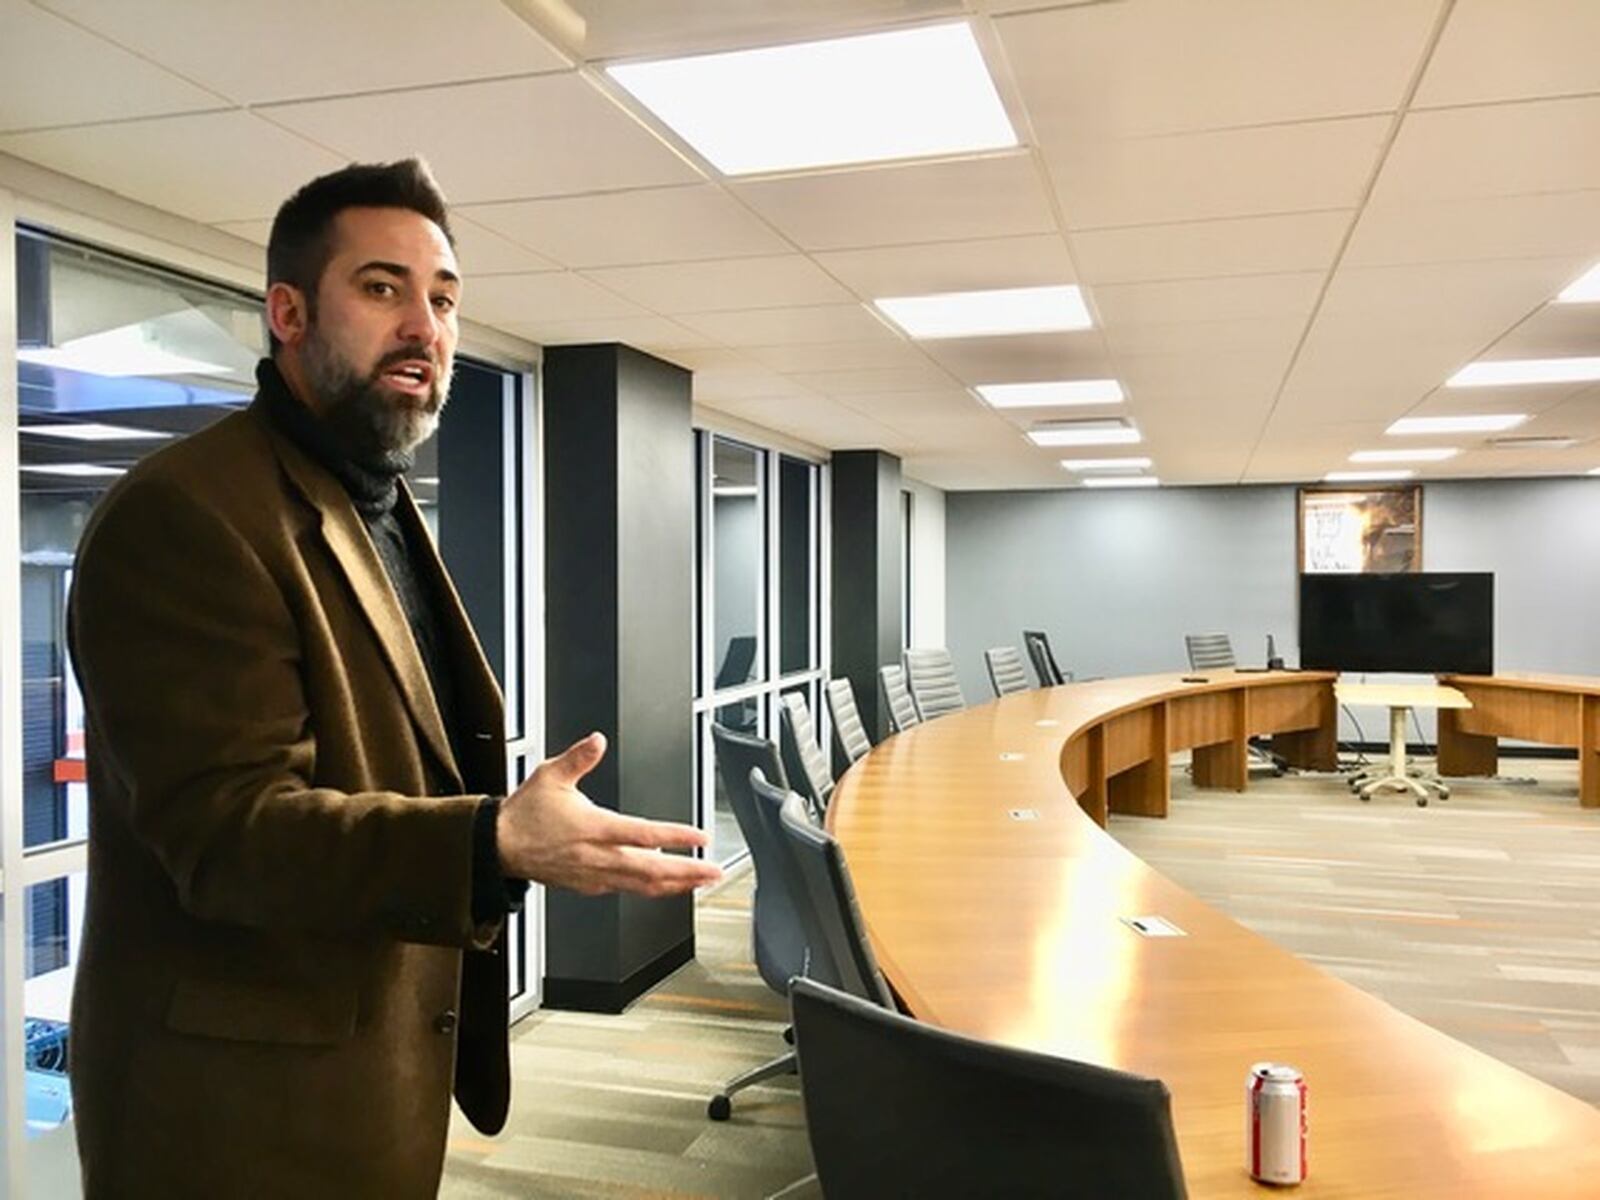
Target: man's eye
pixel 378 287
pixel 444 303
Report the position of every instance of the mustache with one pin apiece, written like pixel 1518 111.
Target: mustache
pixel 413 352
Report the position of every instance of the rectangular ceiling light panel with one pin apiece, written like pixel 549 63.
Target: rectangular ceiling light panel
pixel 1084 433
pixel 1366 476
pixel 1122 481
pixel 1106 464
pixel 990 313
pixel 1437 454
pixel 1472 423
pixel 1583 290
pixel 1509 372
pixel 906 93
pixel 1051 395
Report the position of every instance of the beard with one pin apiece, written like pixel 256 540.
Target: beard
pixel 378 426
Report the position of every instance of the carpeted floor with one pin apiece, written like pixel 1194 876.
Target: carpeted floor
pixel 1479 915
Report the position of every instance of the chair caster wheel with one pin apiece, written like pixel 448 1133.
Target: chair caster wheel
pixel 1365 799
pixel 720 1108
pixel 788 1035
pixel 1422 802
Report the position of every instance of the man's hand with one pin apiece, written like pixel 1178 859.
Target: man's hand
pixel 552 833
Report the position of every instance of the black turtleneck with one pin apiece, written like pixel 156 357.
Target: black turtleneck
pixel 373 487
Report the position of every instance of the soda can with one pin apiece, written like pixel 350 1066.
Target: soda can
pixel 1275 1123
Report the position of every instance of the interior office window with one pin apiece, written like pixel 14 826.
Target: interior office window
pixel 796 565
pixel 739 568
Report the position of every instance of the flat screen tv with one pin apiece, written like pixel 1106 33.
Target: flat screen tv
pixel 1420 622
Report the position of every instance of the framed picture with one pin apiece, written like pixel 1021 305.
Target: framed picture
pixel 1359 530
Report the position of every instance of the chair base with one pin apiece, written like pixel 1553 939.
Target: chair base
pixel 721 1106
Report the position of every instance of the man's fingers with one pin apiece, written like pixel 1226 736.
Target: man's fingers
pixel 578 759
pixel 622 830
pixel 663 874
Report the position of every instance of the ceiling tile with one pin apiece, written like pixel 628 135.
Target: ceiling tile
pixel 794 326
pixel 953 200
pixel 1555 331
pixel 358 45
pixel 655 335
pixel 872 380
pixel 655 225
pixel 818 420
pixel 484 252
pixel 1290 294
pixel 1025 358
pixel 104 83
pixel 1199 249
pixel 770 282
pixel 210 167
pixel 509 139
pixel 1161 66
pixel 524 301
pixel 1238 333
pixel 1028 261
pixel 1231 173
pixel 1494 50
pixel 839 355
pixel 1393 231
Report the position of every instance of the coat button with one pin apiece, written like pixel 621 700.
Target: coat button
pixel 445 1022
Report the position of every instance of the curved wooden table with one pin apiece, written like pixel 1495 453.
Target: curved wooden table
pixel 1558 710
pixel 1010 930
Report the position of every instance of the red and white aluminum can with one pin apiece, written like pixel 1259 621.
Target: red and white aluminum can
pixel 1275 1123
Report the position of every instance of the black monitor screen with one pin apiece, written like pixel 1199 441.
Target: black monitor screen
pixel 1414 622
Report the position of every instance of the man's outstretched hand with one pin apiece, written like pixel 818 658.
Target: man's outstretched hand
pixel 552 833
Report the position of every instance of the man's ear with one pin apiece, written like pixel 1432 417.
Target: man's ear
pixel 287 313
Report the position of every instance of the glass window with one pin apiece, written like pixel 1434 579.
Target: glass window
pixel 53 920
pixel 738 563
pixel 796 626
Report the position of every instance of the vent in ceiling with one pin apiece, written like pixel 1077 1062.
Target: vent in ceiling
pixel 1532 442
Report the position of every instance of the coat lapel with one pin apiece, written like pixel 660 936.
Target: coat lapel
pixel 351 547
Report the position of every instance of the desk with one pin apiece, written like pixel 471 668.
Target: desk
pixel 1009 929
pixel 1399 698
pixel 1558 710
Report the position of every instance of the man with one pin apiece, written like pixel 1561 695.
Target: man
pixel 298 863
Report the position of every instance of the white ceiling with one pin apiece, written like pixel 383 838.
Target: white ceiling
pixel 1292 221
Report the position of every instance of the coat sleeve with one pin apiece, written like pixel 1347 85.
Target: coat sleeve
pixel 189 660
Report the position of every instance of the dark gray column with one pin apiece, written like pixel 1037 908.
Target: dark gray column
pixel 619 548
pixel 866 575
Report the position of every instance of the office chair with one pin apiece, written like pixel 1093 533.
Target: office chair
pixel 896 1107
pixel 1214 652
pixel 778 929
pixel 849 734
pixel 1005 670
pixel 802 757
pixel 1044 660
pixel 897 699
pixel 737 660
pixel 934 686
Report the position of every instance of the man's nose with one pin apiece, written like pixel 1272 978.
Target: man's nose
pixel 419 323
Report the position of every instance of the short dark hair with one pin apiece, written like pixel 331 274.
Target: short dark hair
pixel 301 242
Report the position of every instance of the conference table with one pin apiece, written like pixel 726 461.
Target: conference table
pixel 1000 908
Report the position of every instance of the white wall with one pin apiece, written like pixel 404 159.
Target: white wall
pixel 927 564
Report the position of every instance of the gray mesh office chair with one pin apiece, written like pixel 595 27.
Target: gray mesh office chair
pixel 898 1108
pixel 1005 670
pixel 897 697
pixel 1209 651
pixel 802 758
pixel 778 931
pixel 1044 660
pixel 849 734
pixel 932 677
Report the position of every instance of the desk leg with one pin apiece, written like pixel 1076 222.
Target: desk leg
pixel 1312 749
pixel 1226 764
pixel 1589 751
pixel 1465 753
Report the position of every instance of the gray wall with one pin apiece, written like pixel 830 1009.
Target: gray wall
pixel 736 532
pixel 1117 578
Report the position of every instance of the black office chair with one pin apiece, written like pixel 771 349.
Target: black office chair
pixel 932 678
pixel 778 931
pixel 1005 670
pixel 898 1108
pixel 803 760
pixel 849 734
pixel 897 699
pixel 1044 660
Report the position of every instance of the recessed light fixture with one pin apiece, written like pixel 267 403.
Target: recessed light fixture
pixel 91 431
pixel 1366 476
pixel 1585 289
pixel 1122 481
pixel 118 353
pixel 1051 395
pixel 1474 423
pixel 1399 456
pixel 1105 464
pixel 906 93
pixel 1084 433
pixel 988 314
pixel 1507 372
pixel 76 470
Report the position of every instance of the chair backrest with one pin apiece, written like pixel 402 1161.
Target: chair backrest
pixel 1005 670
pixel 826 879
pixel 902 708
pixel 934 686
pixel 817 962
pixel 1044 660
pixel 778 926
pixel 802 757
pixel 737 660
pixel 896 1107
pixel 849 734
pixel 1208 651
